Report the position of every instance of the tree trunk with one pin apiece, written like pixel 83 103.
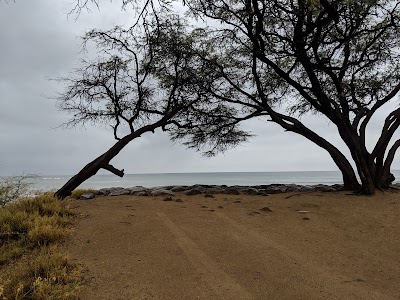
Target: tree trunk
pixel 360 157
pixel 103 161
pixel 387 177
pixel 88 171
pixel 350 181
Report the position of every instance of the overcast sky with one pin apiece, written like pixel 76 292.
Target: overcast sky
pixel 39 41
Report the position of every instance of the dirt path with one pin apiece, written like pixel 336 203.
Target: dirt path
pixel 345 247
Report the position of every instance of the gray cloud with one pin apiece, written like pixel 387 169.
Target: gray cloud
pixel 39 41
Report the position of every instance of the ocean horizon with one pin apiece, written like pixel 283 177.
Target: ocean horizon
pixel 52 182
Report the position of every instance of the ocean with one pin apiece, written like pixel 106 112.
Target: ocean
pixel 44 183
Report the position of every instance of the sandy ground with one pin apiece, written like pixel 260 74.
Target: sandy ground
pixel 234 247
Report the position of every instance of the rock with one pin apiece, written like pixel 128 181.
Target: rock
pixel 292 188
pixel 137 189
pixel 266 209
pixel 209 196
pixel 251 191
pixel 87 196
pixel 337 187
pixel 194 191
pixel 167 199
pixel 144 193
pixel 324 188
pixel 220 206
pixel 262 192
pixel 215 190
pixel 178 200
pixel 180 188
pixel 303 211
pixel 305 188
pixel 119 191
pixel 275 189
pixel 103 192
pixel 253 213
pixel 237 201
pixel 231 191
pixel 161 192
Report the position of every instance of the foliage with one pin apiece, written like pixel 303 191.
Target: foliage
pixel 48 275
pixel 243 59
pixel 32 265
pixel 12 188
pixel 31 223
pixel 339 59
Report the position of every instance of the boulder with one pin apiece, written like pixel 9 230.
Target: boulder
pixel 194 191
pixel 231 191
pixel 306 188
pixel 292 188
pixel 324 188
pixel 251 191
pixel 179 188
pixel 144 193
pixel 136 189
pixel 215 190
pixel 262 192
pixel 275 189
pixel 103 192
pixel 161 192
pixel 119 191
pixel 87 196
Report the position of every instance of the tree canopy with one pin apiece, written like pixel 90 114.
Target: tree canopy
pixel 279 59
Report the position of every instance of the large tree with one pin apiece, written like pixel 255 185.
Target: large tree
pixel 339 59
pixel 336 58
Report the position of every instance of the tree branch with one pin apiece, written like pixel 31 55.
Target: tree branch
pixel 112 169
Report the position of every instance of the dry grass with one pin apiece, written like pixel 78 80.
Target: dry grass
pixel 33 266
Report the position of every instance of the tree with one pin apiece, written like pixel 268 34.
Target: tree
pixel 335 58
pixel 139 84
pixel 339 59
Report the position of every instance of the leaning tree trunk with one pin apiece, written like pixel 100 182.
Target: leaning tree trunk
pixel 350 181
pixel 103 161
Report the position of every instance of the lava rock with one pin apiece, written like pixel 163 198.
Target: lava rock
pixel 87 196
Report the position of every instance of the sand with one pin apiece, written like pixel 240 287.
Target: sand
pixel 285 246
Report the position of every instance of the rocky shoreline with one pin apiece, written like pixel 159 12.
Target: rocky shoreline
pixel 263 190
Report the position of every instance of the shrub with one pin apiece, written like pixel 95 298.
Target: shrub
pixel 12 188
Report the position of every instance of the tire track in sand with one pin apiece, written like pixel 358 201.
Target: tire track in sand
pixel 223 285
pixel 316 273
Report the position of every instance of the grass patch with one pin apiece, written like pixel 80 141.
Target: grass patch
pixel 32 265
pixel 77 193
